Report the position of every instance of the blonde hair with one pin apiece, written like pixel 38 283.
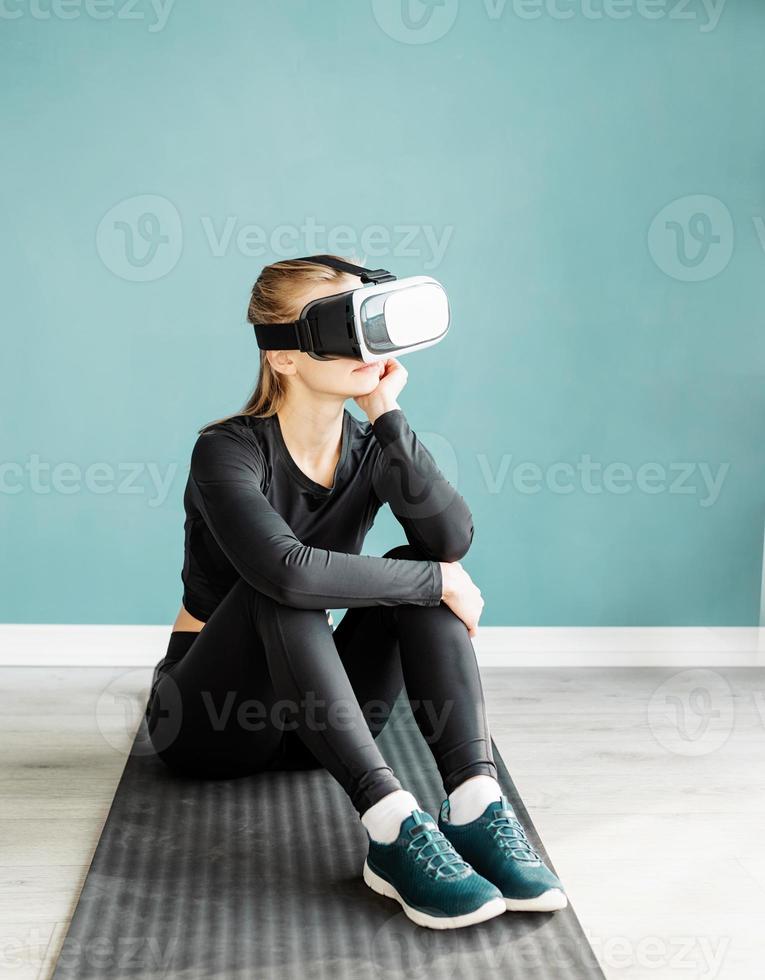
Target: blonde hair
pixel 277 298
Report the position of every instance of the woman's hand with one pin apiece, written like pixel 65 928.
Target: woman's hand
pixel 461 594
pixel 383 398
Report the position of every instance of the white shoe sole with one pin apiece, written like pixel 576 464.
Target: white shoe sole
pixel 549 901
pixel 495 906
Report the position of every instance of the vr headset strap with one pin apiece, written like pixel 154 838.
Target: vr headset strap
pixel 282 336
pixel 297 335
pixel 366 275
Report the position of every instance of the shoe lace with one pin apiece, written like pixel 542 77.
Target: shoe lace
pixel 431 846
pixel 511 836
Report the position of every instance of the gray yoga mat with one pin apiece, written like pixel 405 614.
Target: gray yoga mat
pixel 259 878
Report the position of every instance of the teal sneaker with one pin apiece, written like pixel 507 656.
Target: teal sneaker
pixel 496 845
pixel 432 883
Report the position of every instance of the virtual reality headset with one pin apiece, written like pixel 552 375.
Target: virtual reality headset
pixel 385 317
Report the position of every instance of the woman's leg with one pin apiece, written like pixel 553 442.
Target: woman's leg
pixel 211 711
pixel 428 650
pixel 323 708
pixel 259 669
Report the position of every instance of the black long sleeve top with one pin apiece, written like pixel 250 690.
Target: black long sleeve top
pixel 252 512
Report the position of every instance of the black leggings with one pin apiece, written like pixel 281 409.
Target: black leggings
pixel 270 686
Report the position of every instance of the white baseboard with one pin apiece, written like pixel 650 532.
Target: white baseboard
pixel 32 645
pixel 620 646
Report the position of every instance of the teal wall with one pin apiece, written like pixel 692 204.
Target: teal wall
pixel 586 177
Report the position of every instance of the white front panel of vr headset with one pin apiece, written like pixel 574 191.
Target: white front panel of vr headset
pixel 360 295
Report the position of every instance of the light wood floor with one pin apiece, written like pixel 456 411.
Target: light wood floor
pixel 647 786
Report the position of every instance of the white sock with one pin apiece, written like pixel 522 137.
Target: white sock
pixel 383 819
pixel 468 801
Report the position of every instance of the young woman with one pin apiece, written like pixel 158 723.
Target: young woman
pixel 278 501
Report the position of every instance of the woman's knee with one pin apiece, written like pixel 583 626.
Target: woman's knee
pixel 412 552
pixel 404 551
pixel 263 609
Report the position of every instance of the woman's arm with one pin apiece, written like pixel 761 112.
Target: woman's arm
pixel 435 518
pixel 226 482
